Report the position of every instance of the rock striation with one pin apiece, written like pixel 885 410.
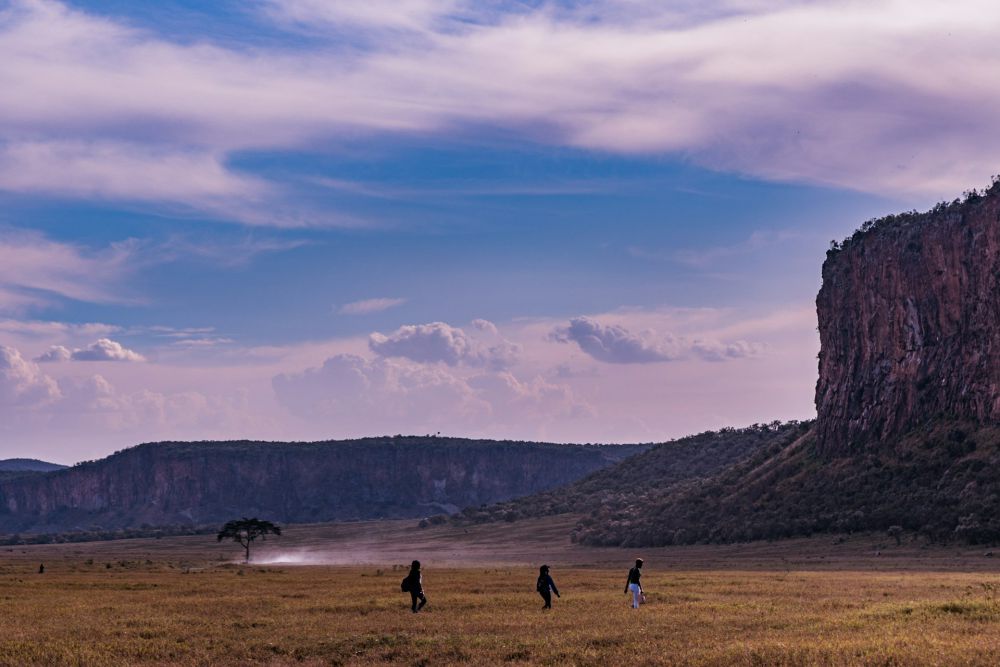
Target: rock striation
pixel 207 483
pixel 909 324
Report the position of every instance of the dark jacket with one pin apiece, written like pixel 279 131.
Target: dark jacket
pixel 545 583
pixel 415 582
pixel 633 577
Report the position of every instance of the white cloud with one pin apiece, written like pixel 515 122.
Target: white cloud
pixel 103 349
pixel 77 414
pixel 54 354
pixel 713 350
pixel 37 267
pixel 106 350
pixel 360 397
pixel 440 342
pixel 367 306
pixel 22 383
pixel 104 169
pixel 45 330
pixel 350 391
pixel 615 344
pixel 485 326
pixel 406 15
pixel 878 96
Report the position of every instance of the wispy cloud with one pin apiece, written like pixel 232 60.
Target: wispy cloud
pixel 711 256
pixel 804 91
pixel 34 268
pixel 367 306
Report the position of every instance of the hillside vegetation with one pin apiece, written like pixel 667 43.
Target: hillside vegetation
pixel 644 479
pixel 938 481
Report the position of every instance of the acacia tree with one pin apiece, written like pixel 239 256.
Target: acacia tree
pixel 245 531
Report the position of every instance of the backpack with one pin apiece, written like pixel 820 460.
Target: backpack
pixel 405 585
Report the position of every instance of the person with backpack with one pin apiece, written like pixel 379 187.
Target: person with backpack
pixel 633 584
pixel 413 584
pixel 546 587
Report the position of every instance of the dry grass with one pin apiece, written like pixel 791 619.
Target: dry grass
pixel 175 602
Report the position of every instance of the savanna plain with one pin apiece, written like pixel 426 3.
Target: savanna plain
pixel 329 595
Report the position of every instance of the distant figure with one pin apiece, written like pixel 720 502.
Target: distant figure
pixel 633 584
pixel 413 584
pixel 546 587
pixel 41 568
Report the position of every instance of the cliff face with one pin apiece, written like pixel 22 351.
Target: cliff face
pixel 909 323
pixel 207 483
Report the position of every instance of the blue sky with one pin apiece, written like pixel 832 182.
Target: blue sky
pixel 587 221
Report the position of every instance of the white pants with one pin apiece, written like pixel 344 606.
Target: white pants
pixel 636 592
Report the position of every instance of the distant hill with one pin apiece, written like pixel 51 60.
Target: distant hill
pixel 614 497
pixel 28 465
pixel 205 483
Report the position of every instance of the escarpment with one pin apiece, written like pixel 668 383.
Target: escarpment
pixel 909 324
pixel 194 484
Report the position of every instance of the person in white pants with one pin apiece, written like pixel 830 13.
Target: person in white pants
pixel 633 585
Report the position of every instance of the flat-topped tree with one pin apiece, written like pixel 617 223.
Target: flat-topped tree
pixel 245 531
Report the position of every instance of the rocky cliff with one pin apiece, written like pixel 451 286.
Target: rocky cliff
pixel 907 435
pixel 909 323
pixel 208 483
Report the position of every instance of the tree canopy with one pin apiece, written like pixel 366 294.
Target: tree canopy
pixel 245 531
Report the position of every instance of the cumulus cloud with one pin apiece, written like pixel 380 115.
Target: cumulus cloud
pixel 357 395
pixel 485 326
pixel 808 91
pixel 54 354
pixel 103 349
pixel 367 306
pixel 73 412
pixel 440 342
pixel 22 383
pixel 615 344
pixel 386 392
pixel 96 404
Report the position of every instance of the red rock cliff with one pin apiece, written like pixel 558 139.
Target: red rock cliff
pixel 909 324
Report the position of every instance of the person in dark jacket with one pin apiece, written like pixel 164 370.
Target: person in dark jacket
pixel 546 587
pixel 414 585
pixel 633 585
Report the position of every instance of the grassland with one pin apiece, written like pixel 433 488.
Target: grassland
pixel 184 601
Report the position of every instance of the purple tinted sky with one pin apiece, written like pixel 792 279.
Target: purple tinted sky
pixel 573 221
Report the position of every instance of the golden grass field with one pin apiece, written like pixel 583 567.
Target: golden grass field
pixel 186 601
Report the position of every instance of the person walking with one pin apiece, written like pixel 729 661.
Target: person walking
pixel 413 584
pixel 546 587
pixel 633 585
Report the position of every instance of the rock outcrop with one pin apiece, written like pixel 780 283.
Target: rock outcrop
pixel 907 435
pixel 909 323
pixel 208 483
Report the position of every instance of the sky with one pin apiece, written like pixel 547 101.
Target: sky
pixel 566 220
